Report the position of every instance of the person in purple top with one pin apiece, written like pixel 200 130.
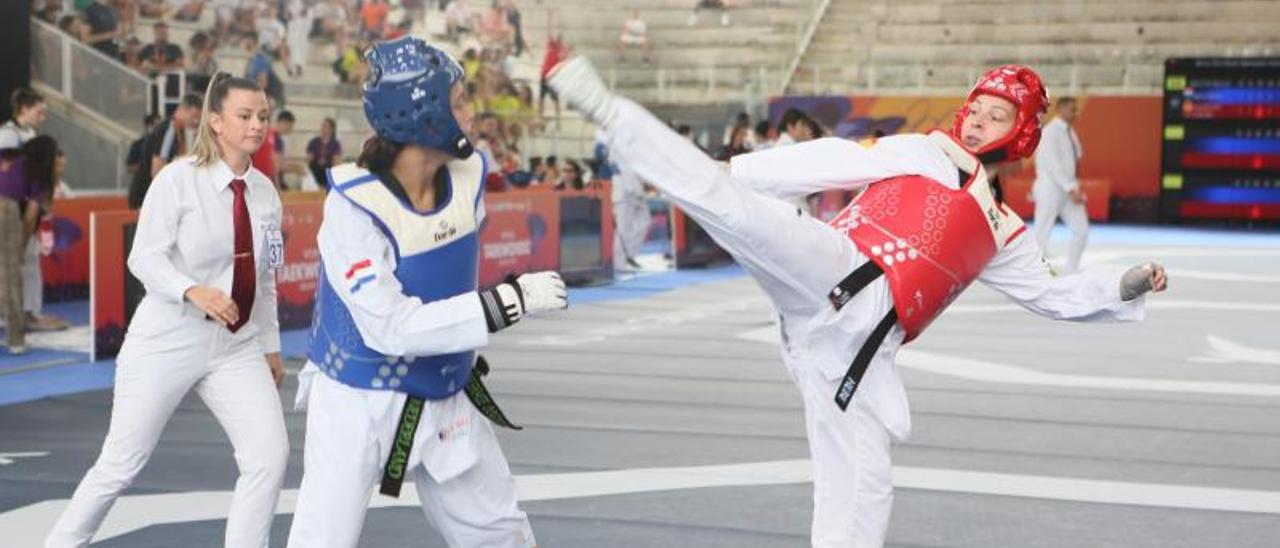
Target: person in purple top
pixel 26 180
pixel 323 151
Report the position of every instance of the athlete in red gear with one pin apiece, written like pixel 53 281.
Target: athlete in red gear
pixel 849 293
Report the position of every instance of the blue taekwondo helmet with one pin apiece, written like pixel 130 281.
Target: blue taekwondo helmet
pixel 406 97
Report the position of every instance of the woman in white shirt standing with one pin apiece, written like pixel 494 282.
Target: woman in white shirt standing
pixel 207 244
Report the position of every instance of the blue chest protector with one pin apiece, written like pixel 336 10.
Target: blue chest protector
pixel 436 258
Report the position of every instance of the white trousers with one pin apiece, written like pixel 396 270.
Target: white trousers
pixel 631 225
pixel 796 259
pixel 349 435
pixel 32 282
pixel 153 374
pixel 1051 203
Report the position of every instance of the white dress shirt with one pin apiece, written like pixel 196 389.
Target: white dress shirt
pixel 1057 156
pixel 186 237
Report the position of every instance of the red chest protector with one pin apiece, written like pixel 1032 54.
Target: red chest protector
pixel 932 241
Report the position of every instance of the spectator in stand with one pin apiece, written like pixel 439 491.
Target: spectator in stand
pixel 331 18
pixel 49 12
pixel 761 133
pixel 203 62
pixel 350 66
pixel 134 158
pixel 513 19
pixel 717 5
pixel 556 52
pixel 570 176
pixel 816 131
pixel 470 64
pixel 373 16
pixel 505 104
pixel 414 12
pixel 284 126
pixel 547 173
pixel 299 28
pixel 245 21
pixel 324 151
pixel 398 30
pixel 161 55
pixel 75 26
pixel 493 28
pixel 737 144
pixel 742 120
pixel 104 28
pixel 131 56
pixel 458 18
pixel 170 139
pixel 795 127
pixel 635 34
pixel 287 166
pixel 224 16
pixel 188 11
pixel 264 159
pixel 152 8
pixel 271 34
pixel 527 115
pixel 260 70
pixel 126 11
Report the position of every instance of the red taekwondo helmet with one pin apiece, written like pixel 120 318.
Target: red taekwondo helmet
pixel 1021 86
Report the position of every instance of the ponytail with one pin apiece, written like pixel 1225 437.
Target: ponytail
pixel 378 154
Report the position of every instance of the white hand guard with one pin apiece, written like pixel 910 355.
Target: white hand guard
pixel 543 291
pixel 577 81
pixel 504 304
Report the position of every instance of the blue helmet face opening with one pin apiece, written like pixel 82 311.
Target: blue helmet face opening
pixel 407 96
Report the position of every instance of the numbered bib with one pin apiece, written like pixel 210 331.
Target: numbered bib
pixel 275 248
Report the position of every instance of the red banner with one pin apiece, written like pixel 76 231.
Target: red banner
pixel 107 293
pixel 296 279
pixel 571 232
pixel 66 269
pixel 521 233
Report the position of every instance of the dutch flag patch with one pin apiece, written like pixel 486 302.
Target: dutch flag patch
pixel 360 274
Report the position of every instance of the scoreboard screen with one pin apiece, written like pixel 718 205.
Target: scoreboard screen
pixel 1221 145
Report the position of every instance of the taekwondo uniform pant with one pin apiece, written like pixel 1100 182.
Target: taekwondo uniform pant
pixel 153 373
pixel 1051 203
pixel 631 225
pixel 796 259
pixel 462 479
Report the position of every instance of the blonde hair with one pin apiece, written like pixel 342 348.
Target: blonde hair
pixel 206 148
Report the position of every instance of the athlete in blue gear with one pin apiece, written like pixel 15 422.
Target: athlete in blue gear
pixel 391 380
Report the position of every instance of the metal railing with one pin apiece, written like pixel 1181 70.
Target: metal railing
pixel 802 44
pixel 89 78
pixel 1121 78
pixel 706 83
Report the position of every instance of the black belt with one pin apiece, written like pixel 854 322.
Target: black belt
pixel 398 460
pixel 839 296
pixel 853 283
pixel 394 470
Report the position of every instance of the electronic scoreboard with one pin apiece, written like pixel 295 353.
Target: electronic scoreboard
pixel 1220 158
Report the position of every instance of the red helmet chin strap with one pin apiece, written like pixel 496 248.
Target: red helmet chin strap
pixel 1022 87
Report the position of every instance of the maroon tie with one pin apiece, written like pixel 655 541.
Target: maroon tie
pixel 243 281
